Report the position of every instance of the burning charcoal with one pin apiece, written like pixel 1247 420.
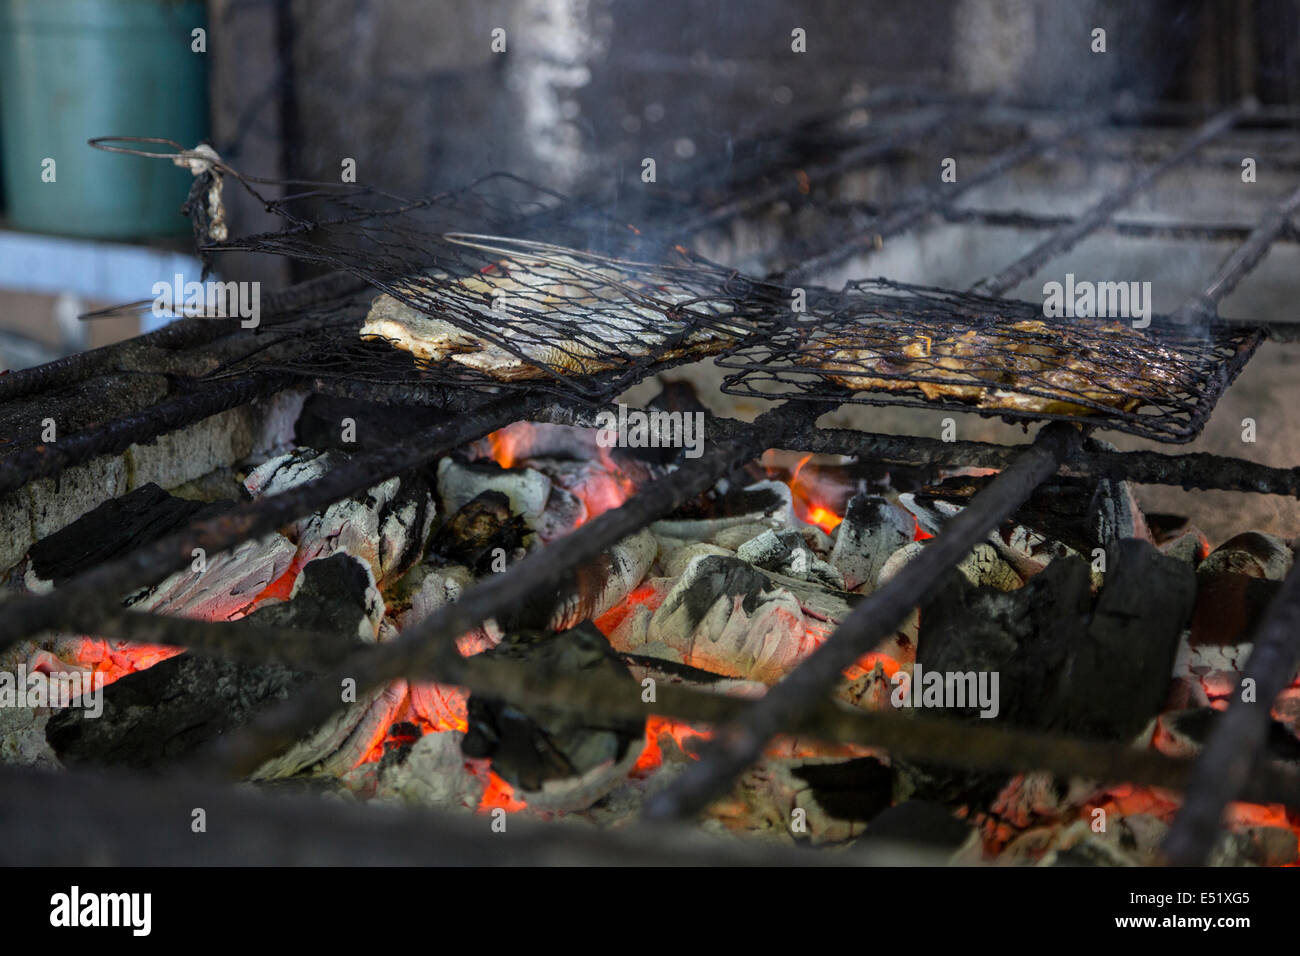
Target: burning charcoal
pixel 474 533
pixel 430 588
pixel 441 706
pixel 727 617
pixel 386 527
pixel 674 561
pixel 432 774
pixel 873 529
pixel 526 489
pixel 1253 554
pixel 815 801
pixel 343 741
pixel 556 758
pixel 788 554
pixel 157 716
pixel 227 585
pixel 593 588
pixel 590 481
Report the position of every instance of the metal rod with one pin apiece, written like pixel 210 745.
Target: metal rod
pixel 914 129
pixel 1142 229
pixel 183 333
pixel 738 744
pixel 1069 235
pixel 45 460
pixel 935 200
pixel 124 820
pixel 1239 262
pixel 1235 750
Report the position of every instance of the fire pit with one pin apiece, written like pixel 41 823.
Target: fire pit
pixel 409 540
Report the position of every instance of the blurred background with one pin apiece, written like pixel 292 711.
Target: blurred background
pixel 415 93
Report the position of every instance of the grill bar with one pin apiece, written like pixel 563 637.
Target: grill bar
pixel 937 200
pixel 1234 752
pixel 1069 235
pixel 737 745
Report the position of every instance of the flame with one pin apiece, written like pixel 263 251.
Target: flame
pixel 605 487
pixel 503 443
pixel 806 506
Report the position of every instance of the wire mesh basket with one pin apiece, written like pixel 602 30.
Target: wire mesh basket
pixel 889 343
pixel 528 302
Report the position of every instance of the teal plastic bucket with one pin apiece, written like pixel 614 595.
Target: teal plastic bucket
pixel 71 70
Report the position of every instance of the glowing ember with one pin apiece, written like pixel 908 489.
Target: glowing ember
pixel 686 736
pixel 499 794
pixel 807 507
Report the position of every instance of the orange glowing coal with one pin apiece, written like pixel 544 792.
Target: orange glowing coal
pixel 686 736
pixel 499 795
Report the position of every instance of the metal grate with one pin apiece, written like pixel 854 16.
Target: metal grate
pixel 889 343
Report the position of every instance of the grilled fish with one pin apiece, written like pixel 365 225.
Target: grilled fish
pixel 559 313
pixel 1112 365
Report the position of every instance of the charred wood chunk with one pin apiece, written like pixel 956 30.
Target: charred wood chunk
pixel 541 750
pixel 119 525
pixel 857 789
pixel 917 823
pixel 157 716
pixel 873 528
pixel 1063 665
pixel 473 534
pixel 1183 733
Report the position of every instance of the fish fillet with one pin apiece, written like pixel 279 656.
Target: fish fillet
pixel 597 319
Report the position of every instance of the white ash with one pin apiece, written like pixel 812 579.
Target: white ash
pixel 564 512
pixel 873 528
pixel 1253 554
pixel 436 587
pixel 227 585
pixel 787 553
pixel 433 774
pixel 343 741
pixel 526 489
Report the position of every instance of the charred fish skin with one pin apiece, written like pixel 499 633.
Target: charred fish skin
pixel 557 315
pixel 1002 368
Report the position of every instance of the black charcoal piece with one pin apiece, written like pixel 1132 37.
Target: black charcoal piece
pixel 530 746
pixel 109 531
